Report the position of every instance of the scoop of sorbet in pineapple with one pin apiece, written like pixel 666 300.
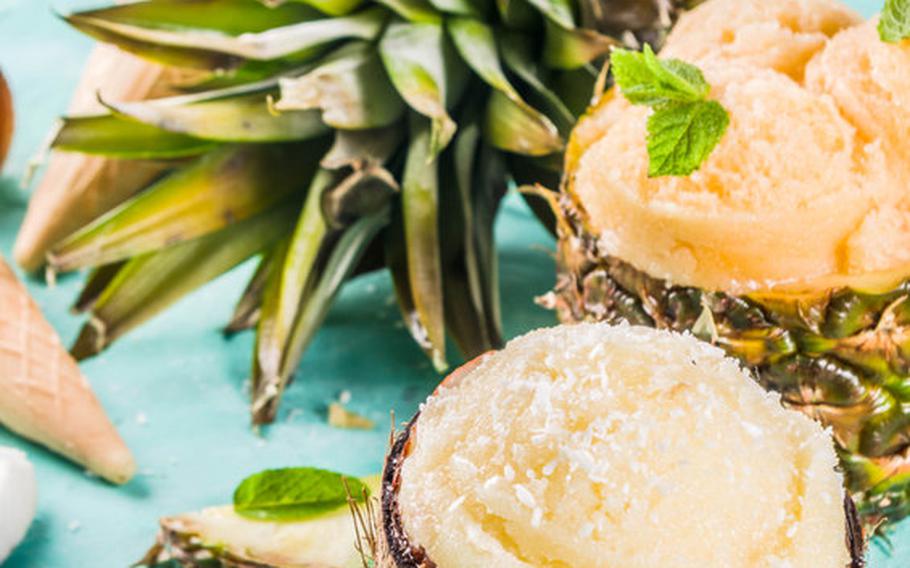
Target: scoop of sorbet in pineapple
pixel 773 204
pixel 778 34
pixel 805 191
pixel 599 446
pixel 870 81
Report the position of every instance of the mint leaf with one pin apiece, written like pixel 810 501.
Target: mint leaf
pixel 294 494
pixel 685 126
pixel 644 79
pixel 682 135
pixel 894 24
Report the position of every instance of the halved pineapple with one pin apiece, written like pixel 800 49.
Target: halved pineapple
pixel 788 248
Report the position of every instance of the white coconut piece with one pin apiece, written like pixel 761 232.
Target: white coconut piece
pixel 18 499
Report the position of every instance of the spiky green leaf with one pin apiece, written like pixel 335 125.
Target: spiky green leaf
pixel 575 87
pixel 149 283
pixel 414 11
pixel 420 209
pixel 458 7
pixel 221 188
pixel 94 286
pixel 282 304
pixel 518 57
pixel 342 260
pixel 350 87
pixel 330 7
pixel 395 256
pixel 573 48
pixel 231 17
pixel 341 263
pixel 365 191
pixel 233 115
pixel 426 72
pixel 468 309
pixel 246 311
pixel 511 127
pixel 476 43
pixel 558 12
pixel 117 137
pixel 208 49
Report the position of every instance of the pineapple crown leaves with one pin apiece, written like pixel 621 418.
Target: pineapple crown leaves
pixel 685 126
pixel 330 138
pixel 894 24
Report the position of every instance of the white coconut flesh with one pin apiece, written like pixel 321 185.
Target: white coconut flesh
pixel 805 191
pixel 603 446
pixel 18 499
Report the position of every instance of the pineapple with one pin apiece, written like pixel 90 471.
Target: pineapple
pixel 788 248
pixel 329 138
pixel 219 536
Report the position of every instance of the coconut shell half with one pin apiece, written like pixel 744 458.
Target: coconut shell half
pixel 396 550
pixel 6 119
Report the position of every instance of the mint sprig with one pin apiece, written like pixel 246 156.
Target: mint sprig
pixel 894 24
pixel 684 127
pixel 683 134
pixel 294 494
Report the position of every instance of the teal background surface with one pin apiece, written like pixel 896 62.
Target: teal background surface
pixel 175 387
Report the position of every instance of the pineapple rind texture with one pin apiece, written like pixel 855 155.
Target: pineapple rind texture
pixel 840 356
pixel 788 248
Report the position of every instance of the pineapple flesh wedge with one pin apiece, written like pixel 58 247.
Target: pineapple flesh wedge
pixel 218 536
pixel 788 248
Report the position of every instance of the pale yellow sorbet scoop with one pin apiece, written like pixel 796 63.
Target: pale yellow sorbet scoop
pixel 807 188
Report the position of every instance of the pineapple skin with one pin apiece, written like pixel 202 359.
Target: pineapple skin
pixel 840 355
